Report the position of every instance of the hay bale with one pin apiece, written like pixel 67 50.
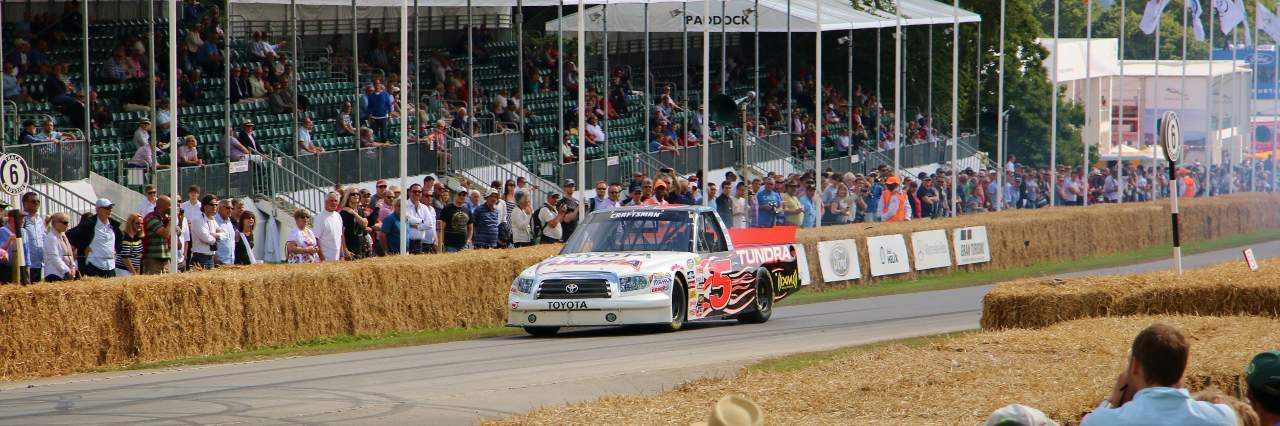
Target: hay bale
pixel 58 328
pixel 1226 289
pixel 1022 237
pixel 1064 370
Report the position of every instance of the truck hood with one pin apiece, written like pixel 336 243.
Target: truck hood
pixel 619 263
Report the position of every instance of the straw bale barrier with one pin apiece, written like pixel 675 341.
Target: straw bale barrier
pixel 58 328
pixel 1226 289
pixel 1064 370
pixel 52 329
pixel 1025 237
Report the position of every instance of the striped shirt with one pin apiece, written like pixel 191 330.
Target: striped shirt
pixel 157 245
pixel 130 252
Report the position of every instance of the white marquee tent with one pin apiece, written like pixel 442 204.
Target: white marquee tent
pixel 740 17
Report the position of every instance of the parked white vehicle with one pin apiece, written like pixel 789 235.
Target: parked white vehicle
pixel 657 266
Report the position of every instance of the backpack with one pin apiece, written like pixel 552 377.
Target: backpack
pixel 536 238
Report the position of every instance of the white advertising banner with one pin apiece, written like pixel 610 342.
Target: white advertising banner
pixel 839 260
pixel 802 264
pixel 971 245
pixel 931 249
pixel 888 255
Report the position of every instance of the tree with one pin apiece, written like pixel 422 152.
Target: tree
pixel 1027 87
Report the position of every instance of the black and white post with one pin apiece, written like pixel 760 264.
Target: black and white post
pixel 1171 140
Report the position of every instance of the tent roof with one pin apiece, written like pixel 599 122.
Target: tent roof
pixel 836 15
pixel 914 12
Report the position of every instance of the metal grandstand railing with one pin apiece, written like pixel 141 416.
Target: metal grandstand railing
pixel 294 182
pixel 482 164
pixel 772 154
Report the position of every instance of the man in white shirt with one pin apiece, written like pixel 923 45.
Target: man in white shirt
pixel 305 144
pixel 549 218
pixel 226 249
pixel 1149 391
pixel 205 233
pixel 33 230
pixel 421 218
pixel 100 261
pixel 328 230
pixel 595 135
pixel 148 203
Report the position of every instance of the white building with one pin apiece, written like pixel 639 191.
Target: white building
pixel 1127 108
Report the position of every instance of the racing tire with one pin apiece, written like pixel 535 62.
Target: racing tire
pixel 679 306
pixel 763 306
pixel 542 331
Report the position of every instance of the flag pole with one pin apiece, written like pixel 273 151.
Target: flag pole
pixel 817 116
pixel 1182 105
pixel 1275 99
pixel 1000 154
pixel 1089 110
pixel 955 102
pixel 1211 131
pixel 404 122
pixel 897 86
pixel 1155 85
pixel 1053 115
pixel 1253 107
pixel 1118 142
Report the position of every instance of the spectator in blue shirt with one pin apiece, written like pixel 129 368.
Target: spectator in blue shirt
pixel 768 202
pixel 1149 391
pixel 380 106
pixel 391 231
pixel 486 221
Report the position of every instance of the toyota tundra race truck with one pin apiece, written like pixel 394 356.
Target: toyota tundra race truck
pixel 658 265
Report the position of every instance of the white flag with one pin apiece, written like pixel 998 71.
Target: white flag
pixel 1230 14
pixel 1193 6
pixel 1268 23
pixel 1151 15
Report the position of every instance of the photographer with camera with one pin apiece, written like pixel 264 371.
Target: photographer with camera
pixel 767 202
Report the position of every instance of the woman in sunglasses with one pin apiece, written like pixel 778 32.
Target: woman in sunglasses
pixel 59 257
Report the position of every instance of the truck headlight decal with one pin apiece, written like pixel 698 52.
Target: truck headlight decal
pixel 523 285
pixel 633 283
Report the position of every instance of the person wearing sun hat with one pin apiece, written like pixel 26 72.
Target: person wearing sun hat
pixel 1263 378
pixel 734 410
pixel 1019 415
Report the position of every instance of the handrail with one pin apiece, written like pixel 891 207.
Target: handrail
pixel 60 199
pixel 466 152
pixel 295 182
pixel 760 152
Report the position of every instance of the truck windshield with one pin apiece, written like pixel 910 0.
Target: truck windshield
pixel 633 230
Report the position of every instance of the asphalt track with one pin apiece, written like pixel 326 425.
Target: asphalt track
pixel 461 382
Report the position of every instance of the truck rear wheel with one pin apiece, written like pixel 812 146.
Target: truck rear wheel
pixel 763 308
pixel 542 331
pixel 679 306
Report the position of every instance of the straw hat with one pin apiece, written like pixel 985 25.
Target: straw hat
pixel 734 410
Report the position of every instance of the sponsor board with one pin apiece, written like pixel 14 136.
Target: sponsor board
pixel 931 249
pixel 888 254
pixel 802 264
pixel 839 260
pixel 971 245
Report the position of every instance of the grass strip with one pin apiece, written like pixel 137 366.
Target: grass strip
pixel 339 344
pixel 329 345
pixel 976 278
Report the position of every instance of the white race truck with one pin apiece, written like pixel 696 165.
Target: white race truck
pixel 658 265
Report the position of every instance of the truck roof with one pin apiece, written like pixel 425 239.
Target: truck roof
pixel 670 207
